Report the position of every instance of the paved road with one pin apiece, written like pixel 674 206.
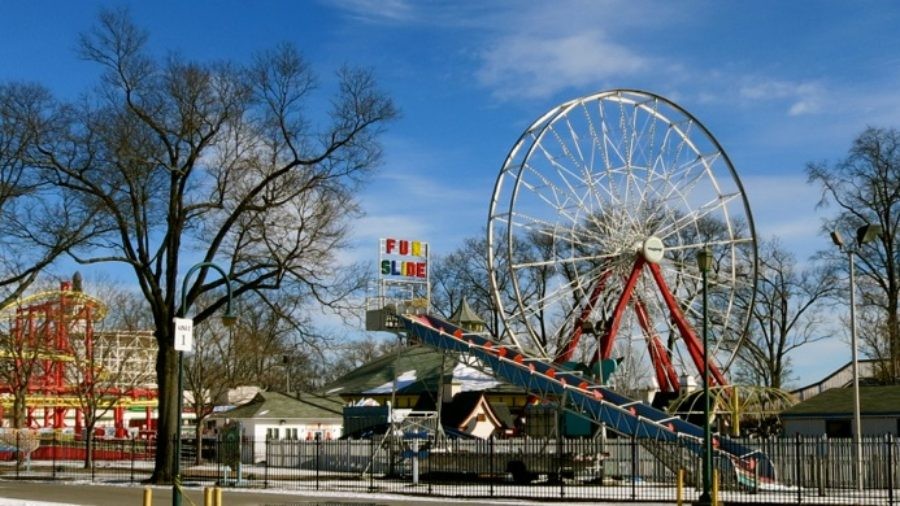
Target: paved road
pixel 19 493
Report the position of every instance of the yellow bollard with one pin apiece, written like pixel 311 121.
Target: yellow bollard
pixel 207 496
pixel 148 496
pixel 715 487
pixel 217 497
pixel 679 490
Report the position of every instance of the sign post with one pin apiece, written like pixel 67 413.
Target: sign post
pixel 184 341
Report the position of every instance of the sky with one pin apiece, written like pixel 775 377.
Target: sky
pixel 779 84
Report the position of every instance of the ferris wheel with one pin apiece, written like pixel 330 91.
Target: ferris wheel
pixel 595 223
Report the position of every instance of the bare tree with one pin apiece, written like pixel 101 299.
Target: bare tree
pixel 262 340
pixel 108 367
pixel 788 313
pixel 223 162
pixel 206 373
pixel 864 187
pixel 271 346
pixel 35 333
pixel 22 361
pixel 353 354
pixel 126 308
pixel 463 274
pixel 38 222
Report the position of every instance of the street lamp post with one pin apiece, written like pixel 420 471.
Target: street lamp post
pixel 704 263
pixel 286 362
pixel 228 319
pixel 864 234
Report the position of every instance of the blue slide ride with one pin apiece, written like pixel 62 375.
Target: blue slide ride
pixel 621 414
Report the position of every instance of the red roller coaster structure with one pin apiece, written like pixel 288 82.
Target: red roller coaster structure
pixel 52 360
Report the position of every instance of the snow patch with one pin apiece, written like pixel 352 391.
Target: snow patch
pixel 402 381
pixel 471 379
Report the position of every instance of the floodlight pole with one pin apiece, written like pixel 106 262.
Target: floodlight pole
pixel 854 361
pixel 704 263
pixel 864 234
pixel 228 319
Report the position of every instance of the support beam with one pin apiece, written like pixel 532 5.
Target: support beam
pixel 687 333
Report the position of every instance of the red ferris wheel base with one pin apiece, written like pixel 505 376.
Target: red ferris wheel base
pixel 664 370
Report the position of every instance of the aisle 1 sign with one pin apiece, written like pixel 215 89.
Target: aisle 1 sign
pixel 184 334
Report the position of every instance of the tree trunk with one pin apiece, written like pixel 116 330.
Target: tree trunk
pixel 19 409
pixel 198 429
pixel 893 343
pixel 88 435
pixel 166 430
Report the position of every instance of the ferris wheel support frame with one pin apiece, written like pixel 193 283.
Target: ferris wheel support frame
pixel 663 367
pixel 666 377
pixel 572 344
pixel 695 348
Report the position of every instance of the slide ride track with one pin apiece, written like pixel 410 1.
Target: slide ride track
pixel 584 398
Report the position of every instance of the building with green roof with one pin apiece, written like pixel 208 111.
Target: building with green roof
pixel 418 378
pixel 830 413
pixel 411 376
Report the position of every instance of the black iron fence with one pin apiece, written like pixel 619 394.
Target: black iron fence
pixel 808 470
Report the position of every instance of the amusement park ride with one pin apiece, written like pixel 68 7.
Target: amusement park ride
pixel 57 365
pixel 611 197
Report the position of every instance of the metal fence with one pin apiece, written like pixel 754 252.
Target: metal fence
pixel 809 470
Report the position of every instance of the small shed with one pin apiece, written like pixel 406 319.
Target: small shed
pixel 470 413
pixel 831 413
pixel 272 416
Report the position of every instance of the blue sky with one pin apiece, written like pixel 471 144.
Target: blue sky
pixel 779 84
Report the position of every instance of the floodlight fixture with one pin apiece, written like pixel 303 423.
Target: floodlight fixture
pixel 867 233
pixel 837 239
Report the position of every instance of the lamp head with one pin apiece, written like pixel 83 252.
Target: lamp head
pixel 867 233
pixel 837 239
pixel 704 259
pixel 229 319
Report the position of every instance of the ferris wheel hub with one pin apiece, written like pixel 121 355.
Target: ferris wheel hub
pixel 653 249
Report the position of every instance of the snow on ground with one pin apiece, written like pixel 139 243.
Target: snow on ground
pixel 647 494
pixel 24 502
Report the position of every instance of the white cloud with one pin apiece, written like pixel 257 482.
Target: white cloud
pixel 784 205
pixel 543 51
pixel 378 10
pixel 788 191
pixel 803 107
pixel 411 13
pixel 802 97
pixel 419 195
pixel 368 230
pixel 414 187
pixel 525 66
